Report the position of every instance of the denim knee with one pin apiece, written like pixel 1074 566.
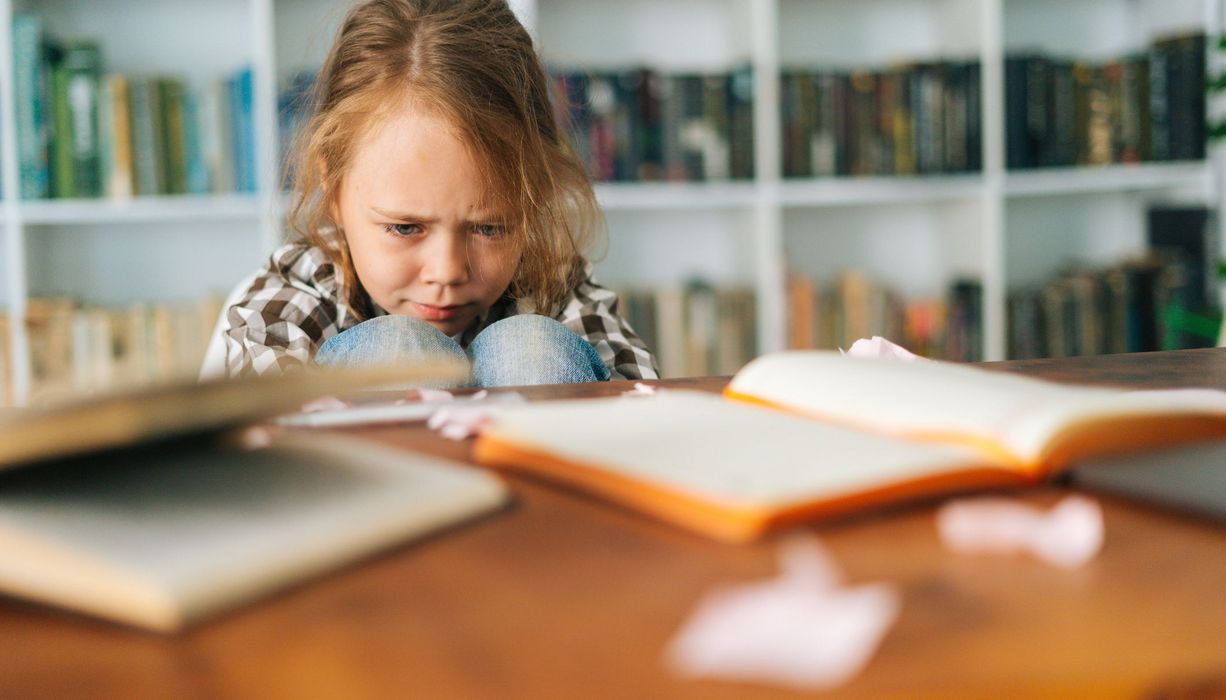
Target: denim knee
pixel 386 340
pixel 532 349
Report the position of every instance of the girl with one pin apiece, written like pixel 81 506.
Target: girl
pixel 439 210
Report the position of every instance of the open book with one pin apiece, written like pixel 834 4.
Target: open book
pixel 142 512
pixel 799 435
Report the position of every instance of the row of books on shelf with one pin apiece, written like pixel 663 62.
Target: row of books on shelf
pixel 1144 107
pixel 642 125
pixel 77 350
pixel 695 329
pixel 853 305
pixel 909 120
pixel 1130 307
pixel 83 132
pixel 1165 299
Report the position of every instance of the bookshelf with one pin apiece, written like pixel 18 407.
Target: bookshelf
pixel 916 232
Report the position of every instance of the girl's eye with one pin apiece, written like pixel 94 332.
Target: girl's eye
pixel 402 229
pixel 489 230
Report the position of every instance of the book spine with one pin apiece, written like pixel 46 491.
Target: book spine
pixel 823 140
pixel 174 152
pixel 197 171
pixel 146 151
pixel 740 130
pixel 715 114
pixel 83 71
pixel 242 126
pixel 215 136
pixel 1159 101
pixel 974 117
pixel 31 107
pixel 115 125
pixel 63 179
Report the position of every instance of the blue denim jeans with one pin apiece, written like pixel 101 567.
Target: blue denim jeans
pixel 516 351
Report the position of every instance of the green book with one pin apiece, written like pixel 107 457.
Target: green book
pixel 83 69
pixel 63 178
pixel 30 106
pixel 174 151
pixel 144 94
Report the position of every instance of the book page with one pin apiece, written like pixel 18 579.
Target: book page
pixel 941 400
pixel 160 535
pixel 725 452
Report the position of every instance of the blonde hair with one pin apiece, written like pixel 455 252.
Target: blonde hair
pixel 471 62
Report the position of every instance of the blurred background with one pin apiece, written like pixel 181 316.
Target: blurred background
pixel 973 179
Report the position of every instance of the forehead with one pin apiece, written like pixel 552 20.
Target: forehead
pixel 412 153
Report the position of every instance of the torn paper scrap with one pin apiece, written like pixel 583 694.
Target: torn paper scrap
pixel 640 389
pixel 1067 535
pixel 426 395
pixel 462 419
pixel 881 348
pixel 801 629
pixel 324 403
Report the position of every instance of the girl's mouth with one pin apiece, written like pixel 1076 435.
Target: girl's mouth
pixel 428 312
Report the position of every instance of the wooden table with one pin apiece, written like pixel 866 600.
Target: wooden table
pixel 562 596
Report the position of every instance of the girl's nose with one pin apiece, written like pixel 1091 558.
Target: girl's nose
pixel 446 260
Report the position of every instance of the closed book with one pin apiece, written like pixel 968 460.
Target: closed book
pixel 670 329
pixel 197 175
pixel 174 151
pixel 974 117
pixel 83 66
pixel 31 110
pixel 147 137
pixel 740 123
pixel 216 137
pixel 115 128
pixel 1017 135
pixel 131 507
pixel 1159 103
pixel 626 124
pixel 63 179
pixel 823 144
pixel 800 104
pixel 694 129
pixel 242 129
pixel 716 159
pixel 804 435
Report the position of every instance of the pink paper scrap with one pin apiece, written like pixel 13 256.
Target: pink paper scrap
pixel 464 418
pixel 431 395
pixel 641 389
pixel 878 347
pixel 802 629
pixel 323 403
pixel 1068 535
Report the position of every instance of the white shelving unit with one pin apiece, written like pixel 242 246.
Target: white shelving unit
pixel 916 233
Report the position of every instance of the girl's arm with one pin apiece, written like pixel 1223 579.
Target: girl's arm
pixel 286 312
pixel 592 313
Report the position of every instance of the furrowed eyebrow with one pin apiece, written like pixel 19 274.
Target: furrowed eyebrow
pixel 400 215
pixel 409 216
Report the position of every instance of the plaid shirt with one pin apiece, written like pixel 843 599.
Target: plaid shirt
pixel 297 301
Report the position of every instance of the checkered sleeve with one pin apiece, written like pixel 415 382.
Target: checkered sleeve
pixel 592 313
pixel 279 321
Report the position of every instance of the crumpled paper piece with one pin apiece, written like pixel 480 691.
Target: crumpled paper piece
pixel 641 389
pixel 466 417
pixel 881 348
pixel 802 629
pixel 323 403
pixel 426 395
pixel 1068 535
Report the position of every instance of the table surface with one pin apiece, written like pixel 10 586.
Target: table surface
pixel 562 595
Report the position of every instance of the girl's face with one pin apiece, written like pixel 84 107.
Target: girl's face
pixel 414 211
